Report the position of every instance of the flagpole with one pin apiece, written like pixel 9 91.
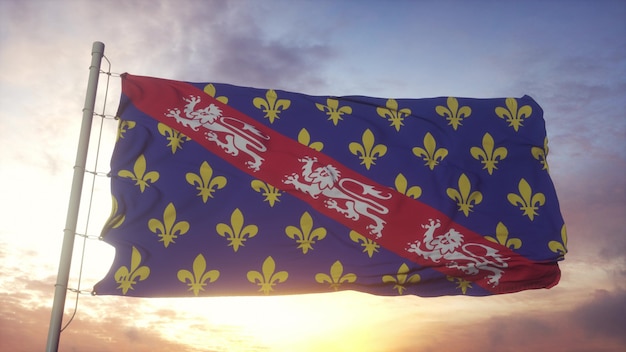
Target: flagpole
pixel 60 289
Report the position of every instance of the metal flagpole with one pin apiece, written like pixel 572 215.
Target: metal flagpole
pixel 60 289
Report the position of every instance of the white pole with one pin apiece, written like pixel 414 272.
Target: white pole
pixel 60 289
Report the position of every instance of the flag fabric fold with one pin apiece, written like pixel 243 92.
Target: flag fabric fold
pixel 225 190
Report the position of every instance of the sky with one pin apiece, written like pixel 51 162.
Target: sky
pixel 570 56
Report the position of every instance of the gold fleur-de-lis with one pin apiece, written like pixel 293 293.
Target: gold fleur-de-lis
pixel 541 154
pixel 123 127
pixel 271 105
pixel 197 279
pixel 430 153
pixel 464 199
pixel 368 245
pixel 204 181
pixel 526 200
pixel 336 277
pixel 115 220
pixel 306 234
pixel 560 247
pixel 453 113
pixel 174 138
pixel 237 233
pixel 168 229
pixel 333 110
pixel 211 91
pixel 127 278
pixel 402 279
pixel 487 155
pixel 402 187
pixel 367 152
pixel 305 138
pixel 392 114
pixel 268 278
pixel 502 237
pixel 139 174
pixel 461 283
pixel 513 115
pixel 270 192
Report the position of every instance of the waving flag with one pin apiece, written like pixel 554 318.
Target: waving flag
pixel 225 190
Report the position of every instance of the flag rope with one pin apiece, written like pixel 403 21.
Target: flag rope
pixel 85 235
pixel 103 116
pixel 97 173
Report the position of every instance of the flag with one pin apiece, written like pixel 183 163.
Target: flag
pixel 220 190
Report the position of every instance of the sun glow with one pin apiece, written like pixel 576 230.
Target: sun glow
pixel 330 322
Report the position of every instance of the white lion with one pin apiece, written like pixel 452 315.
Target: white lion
pixel 229 133
pixel 327 181
pixel 449 246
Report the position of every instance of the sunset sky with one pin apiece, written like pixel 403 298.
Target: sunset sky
pixel 570 56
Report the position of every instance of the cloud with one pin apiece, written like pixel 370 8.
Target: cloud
pixel 591 193
pixel 217 41
pixel 229 43
pixel 23 329
pixel 116 323
pixel 269 64
pixel 595 325
pixel 604 316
